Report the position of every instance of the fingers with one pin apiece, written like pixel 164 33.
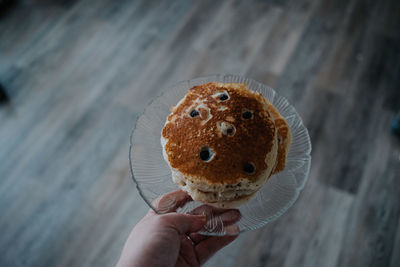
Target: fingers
pixel 217 219
pixel 227 216
pixel 206 209
pixel 197 238
pixel 171 201
pixel 184 223
pixel 210 246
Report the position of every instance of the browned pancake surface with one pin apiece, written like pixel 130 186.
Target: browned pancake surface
pixel 284 139
pixel 251 142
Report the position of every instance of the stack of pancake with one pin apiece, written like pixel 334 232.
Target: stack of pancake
pixel 223 141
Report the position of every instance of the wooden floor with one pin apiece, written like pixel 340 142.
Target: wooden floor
pixel 79 72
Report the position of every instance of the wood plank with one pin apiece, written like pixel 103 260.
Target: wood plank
pixel 284 37
pixel 295 238
pixel 181 58
pixel 372 225
pixel 309 55
pixel 395 261
pixel 358 104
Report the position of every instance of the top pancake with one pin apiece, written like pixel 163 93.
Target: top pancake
pixel 251 141
pixel 284 139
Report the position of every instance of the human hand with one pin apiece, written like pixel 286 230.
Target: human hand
pixel 171 239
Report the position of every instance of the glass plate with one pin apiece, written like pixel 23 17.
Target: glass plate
pixel 153 176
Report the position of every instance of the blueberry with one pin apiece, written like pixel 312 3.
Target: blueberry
pixel 223 97
pixel 248 168
pixel 247 115
pixel 205 154
pixel 226 128
pixel 194 113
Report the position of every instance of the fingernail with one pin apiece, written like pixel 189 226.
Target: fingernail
pixel 231 215
pixel 232 229
pixel 203 217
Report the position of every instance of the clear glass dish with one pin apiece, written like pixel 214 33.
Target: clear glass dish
pixel 153 177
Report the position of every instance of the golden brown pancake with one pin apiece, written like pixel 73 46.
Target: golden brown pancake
pixel 284 139
pixel 221 143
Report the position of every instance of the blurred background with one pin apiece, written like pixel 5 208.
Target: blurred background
pixel 75 74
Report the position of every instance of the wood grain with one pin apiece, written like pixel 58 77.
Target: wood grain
pixel 78 73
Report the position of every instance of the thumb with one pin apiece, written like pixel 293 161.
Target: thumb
pixel 185 223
